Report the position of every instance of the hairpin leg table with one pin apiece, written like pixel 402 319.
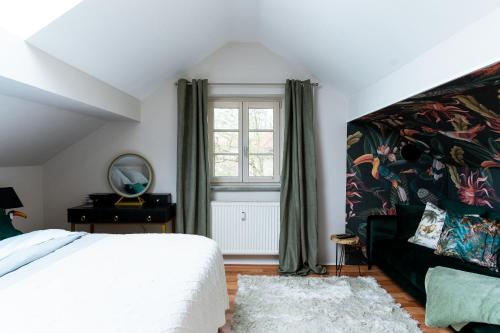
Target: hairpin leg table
pixel 340 245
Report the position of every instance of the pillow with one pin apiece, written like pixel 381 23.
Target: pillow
pixel 135 176
pixel 455 297
pixel 408 217
pixel 471 238
pixel 458 208
pixel 6 228
pixel 430 227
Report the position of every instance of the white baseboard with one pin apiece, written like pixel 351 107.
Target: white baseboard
pixel 251 260
pixel 257 260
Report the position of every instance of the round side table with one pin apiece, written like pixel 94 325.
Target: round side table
pixel 340 244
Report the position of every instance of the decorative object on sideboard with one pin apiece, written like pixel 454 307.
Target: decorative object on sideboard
pixel 109 199
pixel 9 200
pixel 130 176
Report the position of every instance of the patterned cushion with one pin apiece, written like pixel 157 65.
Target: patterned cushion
pixel 430 227
pixel 471 238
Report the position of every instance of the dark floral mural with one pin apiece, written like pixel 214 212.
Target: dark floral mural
pixel 456 127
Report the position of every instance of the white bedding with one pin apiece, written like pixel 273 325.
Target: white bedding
pixel 114 283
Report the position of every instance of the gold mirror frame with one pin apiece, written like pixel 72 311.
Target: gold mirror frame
pixel 124 196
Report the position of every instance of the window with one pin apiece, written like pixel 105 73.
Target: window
pixel 244 140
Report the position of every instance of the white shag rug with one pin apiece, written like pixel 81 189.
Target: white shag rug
pixel 276 304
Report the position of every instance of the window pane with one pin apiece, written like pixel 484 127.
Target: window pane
pixel 260 165
pixel 226 118
pixel 260 142
pixel 226 165
pixel 260 118
pixel 226 142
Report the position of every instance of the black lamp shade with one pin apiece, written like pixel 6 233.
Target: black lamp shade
pixel 9 198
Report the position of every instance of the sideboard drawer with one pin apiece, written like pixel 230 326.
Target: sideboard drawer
pixel 83 216
pixel 134 216
pixel 91 216
pixel 111 215
pixel 151 216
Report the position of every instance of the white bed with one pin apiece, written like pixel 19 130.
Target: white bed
pixel 111 283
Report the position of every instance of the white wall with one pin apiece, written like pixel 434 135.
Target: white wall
pixel 472 48
pixel 27 182
pixel 331 131
pixel 32 133
pixel 81 169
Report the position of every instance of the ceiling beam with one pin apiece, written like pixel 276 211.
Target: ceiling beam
pixel 29 73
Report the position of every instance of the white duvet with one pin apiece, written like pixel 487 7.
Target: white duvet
pixel 111 283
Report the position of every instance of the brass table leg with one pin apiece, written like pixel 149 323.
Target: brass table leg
pixel 164 228
pixel 72 227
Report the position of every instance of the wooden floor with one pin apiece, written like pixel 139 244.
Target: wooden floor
pixel 408 303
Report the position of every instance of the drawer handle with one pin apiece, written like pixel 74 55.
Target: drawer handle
pixel 115 218
pixel 148 218
pixel 82 218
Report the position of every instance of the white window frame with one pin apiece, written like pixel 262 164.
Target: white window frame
pixel 244 104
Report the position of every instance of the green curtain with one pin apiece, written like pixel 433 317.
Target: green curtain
pixel 193 189
pixel 298 253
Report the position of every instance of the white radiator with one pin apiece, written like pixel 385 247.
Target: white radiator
pixel 246 227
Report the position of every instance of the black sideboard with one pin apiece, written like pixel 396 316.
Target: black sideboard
pixel 156 210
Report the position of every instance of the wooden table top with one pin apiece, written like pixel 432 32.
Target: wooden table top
pixel 346 241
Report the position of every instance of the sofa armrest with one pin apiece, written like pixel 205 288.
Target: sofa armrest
pixel 379 227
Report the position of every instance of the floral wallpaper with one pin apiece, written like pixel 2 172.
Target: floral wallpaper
pixel 456 126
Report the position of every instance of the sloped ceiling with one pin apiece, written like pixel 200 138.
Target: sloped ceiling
pixel 133 45
pixel 32 133
pixel 458 122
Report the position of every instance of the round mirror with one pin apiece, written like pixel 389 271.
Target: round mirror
pixel 130 175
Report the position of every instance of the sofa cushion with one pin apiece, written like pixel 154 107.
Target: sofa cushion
pixel 455 297
pixel 471 238
pixel 409 217
pixel 493 214
pixel 399 254
pixel 480 328
pixel 458 208
pixel 412 261
pixel 427 259
pixel 430 227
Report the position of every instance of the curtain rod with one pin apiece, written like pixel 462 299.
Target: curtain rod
pixel 315 84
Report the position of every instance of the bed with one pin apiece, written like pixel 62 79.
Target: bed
pixel 60 281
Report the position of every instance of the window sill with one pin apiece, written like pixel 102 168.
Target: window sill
pixel 246 187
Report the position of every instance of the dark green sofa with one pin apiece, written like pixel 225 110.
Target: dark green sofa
pixel 407 263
